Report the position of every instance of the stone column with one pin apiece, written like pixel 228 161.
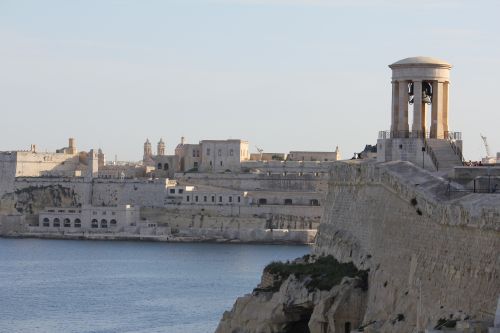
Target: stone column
pixel 437 110
pixel 416 127
pixel 446 86
pixel 403 127
pixel 395 109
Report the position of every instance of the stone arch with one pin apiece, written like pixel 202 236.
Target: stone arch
pixel 78 223
pixel 112 222
pixel 94 223
pixel 67 223
pixel 56 223
pixel 104 223
pixel 46 222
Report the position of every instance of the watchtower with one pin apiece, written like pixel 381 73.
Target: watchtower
pixel 420 84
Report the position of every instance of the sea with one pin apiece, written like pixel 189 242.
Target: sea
pixel 52 286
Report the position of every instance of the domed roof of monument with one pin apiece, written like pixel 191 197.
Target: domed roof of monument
pixel 421 61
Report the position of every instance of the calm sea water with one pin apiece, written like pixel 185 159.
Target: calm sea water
pixel 100 286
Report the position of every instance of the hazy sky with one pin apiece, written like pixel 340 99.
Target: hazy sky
pixel 282 74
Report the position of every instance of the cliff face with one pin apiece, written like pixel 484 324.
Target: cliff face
pixel 421 243
pixel 30 200
pixel 299 304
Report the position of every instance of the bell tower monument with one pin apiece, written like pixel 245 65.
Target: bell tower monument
pixel 420 86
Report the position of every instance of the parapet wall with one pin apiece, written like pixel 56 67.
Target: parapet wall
pixel 417 239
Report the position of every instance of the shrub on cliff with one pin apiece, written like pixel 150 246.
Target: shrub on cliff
pixel 323 273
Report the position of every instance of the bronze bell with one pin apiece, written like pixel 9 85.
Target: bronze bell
pixel 426 92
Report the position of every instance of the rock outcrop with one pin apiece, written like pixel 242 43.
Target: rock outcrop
pixel 300 302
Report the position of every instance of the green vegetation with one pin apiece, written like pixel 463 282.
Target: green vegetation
pixel 324 272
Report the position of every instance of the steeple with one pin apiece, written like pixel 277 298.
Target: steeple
pixel 148 151
pixel 160 148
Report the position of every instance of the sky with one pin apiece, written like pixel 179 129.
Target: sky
pixel 282 74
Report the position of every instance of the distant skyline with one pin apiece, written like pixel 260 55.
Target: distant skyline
pixel 282 74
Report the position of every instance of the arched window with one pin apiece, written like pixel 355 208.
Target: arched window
pixel 165 166
pixel 159 166
pixel 314 202
pixel 46 222
pixel 104 223
pixel 67 223
pixel 262 201
pixel 288 202
pixel 78 223
pixel 56 223
pixel 94 224
pixel 112 222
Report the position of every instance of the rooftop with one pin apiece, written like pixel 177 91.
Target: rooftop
pixel 421 61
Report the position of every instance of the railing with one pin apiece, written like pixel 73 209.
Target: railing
pixel 452 137
pixel 457 151
pixel 431 154
pixel 448 135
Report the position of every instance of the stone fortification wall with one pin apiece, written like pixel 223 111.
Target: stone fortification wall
pixel 12 223
pixel 7 172
pixel 31 164
pixel 420 242
pixel 248 182
pixel 277 217
pixel 212 223
pixel 109 192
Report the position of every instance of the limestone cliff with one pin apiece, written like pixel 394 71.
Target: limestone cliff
pixel 30 200
pixel 293 298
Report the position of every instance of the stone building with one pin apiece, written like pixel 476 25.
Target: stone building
pixel 223 155
pixel 88 218
pixel 212 155
pixel 189 156
pixel 324 156
pixel 164 165
pixel 65 162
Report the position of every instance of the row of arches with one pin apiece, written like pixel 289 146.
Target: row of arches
pixel 76 223
pixel 312 202
pixel 103 224
pixel 65 223
pixel 164 166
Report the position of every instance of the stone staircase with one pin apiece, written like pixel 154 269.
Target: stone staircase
pixel 446 156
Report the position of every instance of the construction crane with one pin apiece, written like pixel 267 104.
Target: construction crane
pixel 488 154
pixel 260 150
pixel 488 159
